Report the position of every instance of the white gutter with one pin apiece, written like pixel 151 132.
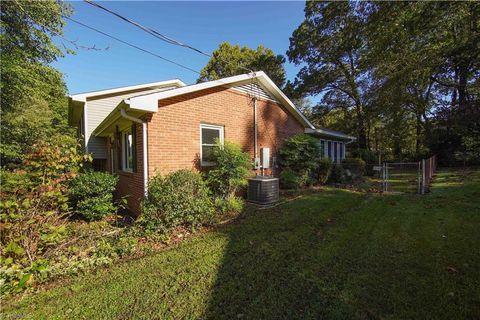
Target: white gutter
pixel 86 135
pixel 144 138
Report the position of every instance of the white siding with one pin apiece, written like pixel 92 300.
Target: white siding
pixel 98 108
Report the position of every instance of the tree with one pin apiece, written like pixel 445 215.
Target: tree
pixel 404 77
pixel 431 65
pixel 330 42
pixel 32 92
pixel 230 60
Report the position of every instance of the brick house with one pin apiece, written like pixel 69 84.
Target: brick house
pixel 161 127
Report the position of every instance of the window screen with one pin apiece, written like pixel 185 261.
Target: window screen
pixel 209 135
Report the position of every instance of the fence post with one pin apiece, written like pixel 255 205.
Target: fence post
pixel 419 178
pixel 383 177
pixel 423 176
pixel 386 176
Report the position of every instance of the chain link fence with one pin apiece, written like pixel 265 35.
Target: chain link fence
pixel 407 177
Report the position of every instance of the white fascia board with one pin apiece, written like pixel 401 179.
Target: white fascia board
pixel 82 97
pixel 330 133
pixel 272 87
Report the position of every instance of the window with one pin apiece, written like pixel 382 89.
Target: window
pixel 329 149
pixel 208 136
pixel 128 148
pixel 335 152
pixel 322 149
pixel 342 153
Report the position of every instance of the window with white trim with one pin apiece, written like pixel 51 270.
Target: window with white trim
pixel 322 149
pixel 127 150
pixel 208 136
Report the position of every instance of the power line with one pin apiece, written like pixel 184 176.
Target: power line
pixel 132 45
pixel 147 29
pixel 158 34
pixel 56 33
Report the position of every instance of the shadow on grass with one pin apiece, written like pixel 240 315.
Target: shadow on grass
pixel 270 269
pixel 344 255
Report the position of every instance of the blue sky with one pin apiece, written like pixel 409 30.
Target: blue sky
pixel 201 24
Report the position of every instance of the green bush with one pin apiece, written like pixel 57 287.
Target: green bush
pixel 298 158
pixel 299 153
pixel 338 174
pixel 229 205
pixel 179 198
pixel 366 155
pixel 354 168
pixel 231 169
pixel 33 209
pixel 91 194
pixel 324 170
pixel 290 179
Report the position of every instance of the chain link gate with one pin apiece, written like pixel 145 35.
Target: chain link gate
pixel 408 177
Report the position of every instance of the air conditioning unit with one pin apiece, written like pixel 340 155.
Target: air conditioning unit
pixel 263 190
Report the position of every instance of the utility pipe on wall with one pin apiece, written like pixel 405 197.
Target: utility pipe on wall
pixel 124 114
pixel 255 138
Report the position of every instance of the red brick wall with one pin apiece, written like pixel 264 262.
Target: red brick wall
pixel 174 131
pixel 130 184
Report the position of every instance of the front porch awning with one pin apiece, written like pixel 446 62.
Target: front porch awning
pixel 330 134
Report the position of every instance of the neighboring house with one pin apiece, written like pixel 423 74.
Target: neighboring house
pixel 161 127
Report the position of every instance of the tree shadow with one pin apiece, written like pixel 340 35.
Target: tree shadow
pixel 341 254
pixel 270 267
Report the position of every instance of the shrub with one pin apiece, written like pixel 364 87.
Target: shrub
pixel 229 205
pixel 354 167
pixel 231 169
pixel 324 170
pixel 290 179
pixel 91 194
pixel 179 198
pixel 299 153
pixel 338 174
pixel 298 158
pixel 33 208
pixel 366 155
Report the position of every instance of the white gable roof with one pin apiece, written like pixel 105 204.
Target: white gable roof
pixel 82 97
pixel 149 102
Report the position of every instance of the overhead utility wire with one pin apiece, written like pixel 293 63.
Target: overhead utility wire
pixel 158 34
pixel 131 45
pixel 136 47
pixel 147 29
pixel 56 33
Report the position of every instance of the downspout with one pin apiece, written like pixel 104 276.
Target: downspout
pixel 124 114
pixel 255 130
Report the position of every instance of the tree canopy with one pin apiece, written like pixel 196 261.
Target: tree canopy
pixel 230 60
pixel 403 77
pixel 33 93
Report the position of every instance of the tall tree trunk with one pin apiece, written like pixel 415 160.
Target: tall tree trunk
pixel 361 128
pixel 462 87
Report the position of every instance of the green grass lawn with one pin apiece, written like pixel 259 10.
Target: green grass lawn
pixel 331 254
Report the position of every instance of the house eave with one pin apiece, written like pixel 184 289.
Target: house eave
pixel 91 94
pixel 75 108
pixel 326 133
pixel 115 118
